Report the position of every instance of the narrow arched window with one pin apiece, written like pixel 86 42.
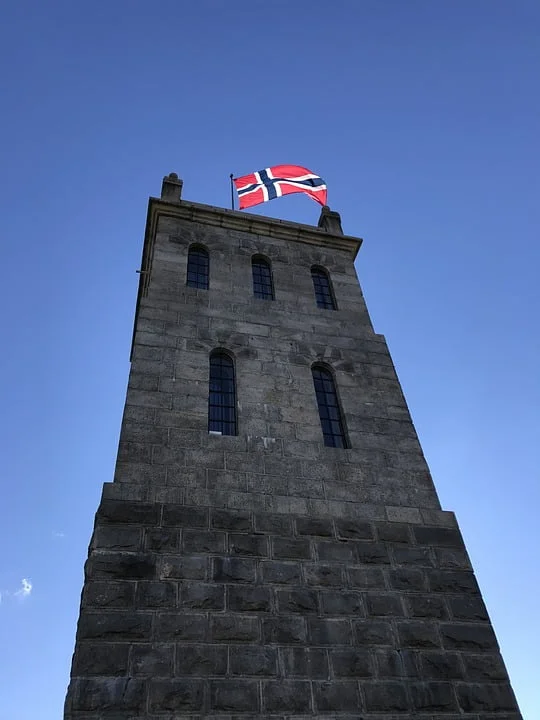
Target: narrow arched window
pixel 222 395
pixel 323 289
pixel 329 410
pixel 262 278
pixel 197 268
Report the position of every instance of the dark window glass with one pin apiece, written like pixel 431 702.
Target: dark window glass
pixel 323 291
pixel 222 395
pixel 197 268
pixel 329 412
pixel 262 279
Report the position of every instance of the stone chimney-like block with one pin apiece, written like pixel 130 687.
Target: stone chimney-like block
pixel 330 221
pixel 171 189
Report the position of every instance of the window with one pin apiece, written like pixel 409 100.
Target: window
pixel 323 289
pixel 197 268
pixel 329 411
pixel 262 279
pixel 222 395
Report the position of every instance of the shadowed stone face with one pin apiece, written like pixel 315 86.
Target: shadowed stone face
pixel 266 574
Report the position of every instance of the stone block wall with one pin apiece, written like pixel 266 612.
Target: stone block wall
pixel 266 575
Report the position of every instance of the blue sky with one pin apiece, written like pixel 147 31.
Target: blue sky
pixel 423 118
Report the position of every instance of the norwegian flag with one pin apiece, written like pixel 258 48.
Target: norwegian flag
pixel 279 180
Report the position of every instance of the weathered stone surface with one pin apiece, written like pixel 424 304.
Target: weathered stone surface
pixel 104 593
pixel 325 575
pixel 336 696
pixel 201 660
pixel 434 536
pixel 101 659
pixel 372 553
pixel 468 636
pixel 305 662
pixel 162 540
pixel 433 697
pixel 253 660
pixel 234 570
pixel 329 632
pixel 114 537
pixel 348 529
pixel 366 578
pixel 152 660
pixel 284 630
pixel 485 667
pixel 273 524
pixel 345 602
pixel 451 559
pixel 383 604
pixel 184 568
pixel 478 697
pixel 406 578
pixel 331 551
pixel 282 573
pixel 122 566
pixel 369 633
pixel 230 520
pixel 265 576
pixel 418 634
pixel 156 594
pixel 393 532
pixel 385 696
pixel 234 696
pixel 314 526
pixel 185 516
pixel 290 549
pixel 426 606
pixel 287 696
pixel 121 511
pixel 248 545
pixel 203 541
pixel 441 665
pixel 389 663
pixel 297 601
pixel 352 663
pixel 249 599
pixel 418 557
pixel 469 608
pixel 234 628
pixel 106 694
pixel 119 625
pixel 200 596
pixel 452 582
pixel 176 695
pixel 181 627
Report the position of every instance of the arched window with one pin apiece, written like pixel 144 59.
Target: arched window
pixel 197 268
pixel 262 278
pixel 222 394
pixel 323 289
pixel 329 410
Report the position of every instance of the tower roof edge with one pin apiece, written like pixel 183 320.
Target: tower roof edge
pixel 323 234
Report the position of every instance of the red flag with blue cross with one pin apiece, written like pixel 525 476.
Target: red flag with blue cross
pixel 279 180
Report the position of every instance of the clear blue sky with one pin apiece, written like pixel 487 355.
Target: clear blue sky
pixel 422 116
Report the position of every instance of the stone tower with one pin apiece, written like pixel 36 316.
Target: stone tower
pixel 272 545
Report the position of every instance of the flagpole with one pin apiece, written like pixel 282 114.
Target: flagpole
pixel 232 192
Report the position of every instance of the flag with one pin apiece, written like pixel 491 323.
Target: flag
pixel 279 180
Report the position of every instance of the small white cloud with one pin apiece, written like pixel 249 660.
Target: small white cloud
pixel 23 592
pixel 26 588
pixel 59 534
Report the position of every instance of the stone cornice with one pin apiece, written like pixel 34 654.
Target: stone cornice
pixel 258 224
